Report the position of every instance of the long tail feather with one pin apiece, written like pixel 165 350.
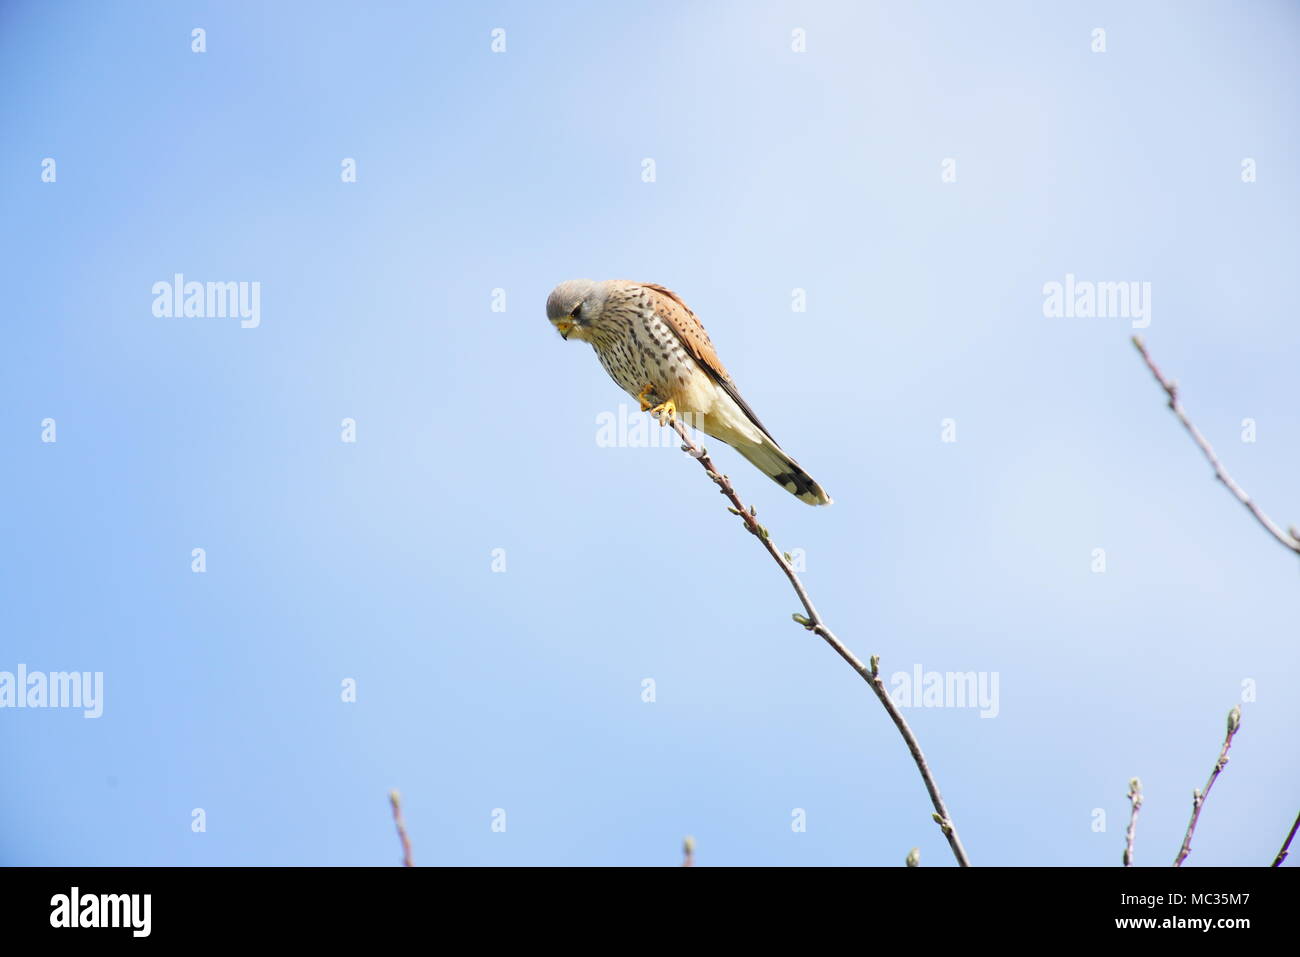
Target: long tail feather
pixel 769 459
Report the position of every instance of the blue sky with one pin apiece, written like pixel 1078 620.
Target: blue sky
pixel 775 170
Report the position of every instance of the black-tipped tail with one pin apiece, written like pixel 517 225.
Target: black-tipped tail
pixel 769 459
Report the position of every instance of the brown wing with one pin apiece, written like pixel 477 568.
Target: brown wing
pixel 678 317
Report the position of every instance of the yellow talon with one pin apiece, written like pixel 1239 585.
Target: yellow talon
pixel 664 412
pixel 646 404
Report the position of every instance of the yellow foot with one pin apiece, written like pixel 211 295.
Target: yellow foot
pixel 642 397
pixel 665 412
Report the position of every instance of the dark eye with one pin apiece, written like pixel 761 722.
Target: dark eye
pixel 576 309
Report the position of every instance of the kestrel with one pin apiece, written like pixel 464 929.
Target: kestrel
pixel 652 345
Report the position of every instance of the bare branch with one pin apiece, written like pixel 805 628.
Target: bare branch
pixel 1288 539
pixel 1199 796
pixel 396 800
pixel 1286 846
pixel 813 622
pixel 1135 798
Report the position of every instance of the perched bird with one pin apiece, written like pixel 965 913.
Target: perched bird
pixel 652 345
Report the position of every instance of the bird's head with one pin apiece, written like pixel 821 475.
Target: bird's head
pixel 574 305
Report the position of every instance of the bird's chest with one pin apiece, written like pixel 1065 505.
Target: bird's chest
pixel 643 351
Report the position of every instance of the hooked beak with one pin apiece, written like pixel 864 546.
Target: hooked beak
pixel 565 326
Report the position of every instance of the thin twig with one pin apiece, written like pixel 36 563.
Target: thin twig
pixel 1286 847
pixel 1289 539
pixel 1199 796
pixel 1135 798
pixel 396 800
pixel 813 622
